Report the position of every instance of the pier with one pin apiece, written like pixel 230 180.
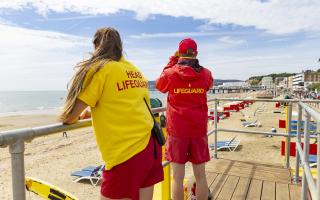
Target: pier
pixel 234 89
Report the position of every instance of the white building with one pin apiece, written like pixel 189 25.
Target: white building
pixel 298 82
pixel 283 83
pixel 267 82
pixel 306 78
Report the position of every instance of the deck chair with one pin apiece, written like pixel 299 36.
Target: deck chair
pixel 313 160
pixel 221 115
pixel 251 124
pixel 93 174
pixel 230 145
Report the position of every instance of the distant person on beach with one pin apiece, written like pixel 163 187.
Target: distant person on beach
pixel 115 90
pixel 187 83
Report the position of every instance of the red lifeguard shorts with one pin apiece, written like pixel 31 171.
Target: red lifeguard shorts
pixel 140 171
pixel 184 149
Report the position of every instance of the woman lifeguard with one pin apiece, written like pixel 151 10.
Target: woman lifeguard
pixel 115 90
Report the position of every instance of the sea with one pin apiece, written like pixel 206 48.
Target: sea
pixel 39 102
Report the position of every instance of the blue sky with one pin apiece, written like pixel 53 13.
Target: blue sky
pixel 41 41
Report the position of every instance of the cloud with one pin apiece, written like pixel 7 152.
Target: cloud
pixel 285 39
pixel 231 40
pixel 313 36
pixel 68 18
pixel 35 60
pixel 245 65
pixel 175 34
pixel 207 27
pixel 44 60
pixel 5 22
pixel 273 16
pixel 246 59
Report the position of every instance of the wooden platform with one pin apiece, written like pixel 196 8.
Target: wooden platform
pixel 229 179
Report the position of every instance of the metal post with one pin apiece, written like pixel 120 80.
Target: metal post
pixel 296 177
pixel 166 184
pixel 17 166
pixel 304 192
pixel 288 138
pixel 215 154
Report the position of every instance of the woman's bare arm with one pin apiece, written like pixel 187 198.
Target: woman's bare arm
pixel 76 111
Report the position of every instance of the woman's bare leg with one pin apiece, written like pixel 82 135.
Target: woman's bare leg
pixel 146 193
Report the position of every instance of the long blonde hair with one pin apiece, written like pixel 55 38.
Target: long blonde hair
pixel 108 47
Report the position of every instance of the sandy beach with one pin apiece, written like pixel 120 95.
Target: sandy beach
pixel 53 158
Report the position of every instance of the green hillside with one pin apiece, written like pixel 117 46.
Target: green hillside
pixel 259 78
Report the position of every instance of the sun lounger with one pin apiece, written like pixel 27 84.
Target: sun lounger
pixel 313 161
pixel 294 132
pixel 312 130
pixel 93 174
pixel 312 158
pixel 251 124
pixel 230 145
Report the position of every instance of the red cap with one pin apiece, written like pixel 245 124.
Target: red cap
pixel 187 44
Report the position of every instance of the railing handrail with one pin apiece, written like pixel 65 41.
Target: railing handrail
pixel 256 133
pixel 303 155
pixel 28 134
pixel 310 110
pixel 264 100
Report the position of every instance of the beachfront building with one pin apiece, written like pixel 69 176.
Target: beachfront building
pixel 298 82
pixel 311 77
pixel 267 82
pixel 304 79
pixel 281 82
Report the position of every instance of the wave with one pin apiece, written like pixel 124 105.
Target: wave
pixel 37 111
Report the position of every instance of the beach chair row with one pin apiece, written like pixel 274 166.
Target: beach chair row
pixel 227 109
pixel 221 115
pixel 236 107
pixel 294 126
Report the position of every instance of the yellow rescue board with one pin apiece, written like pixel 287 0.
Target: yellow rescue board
pixel 47 190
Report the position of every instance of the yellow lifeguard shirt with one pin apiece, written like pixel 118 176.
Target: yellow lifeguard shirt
pixel 120 118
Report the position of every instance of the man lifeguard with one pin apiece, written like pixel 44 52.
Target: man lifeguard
pixel 187 83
